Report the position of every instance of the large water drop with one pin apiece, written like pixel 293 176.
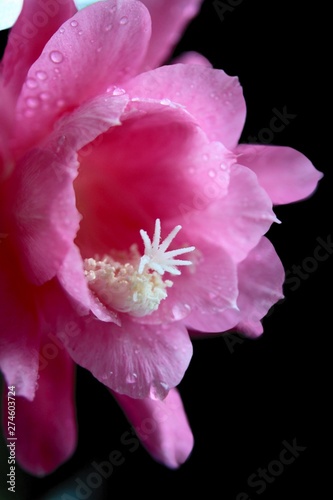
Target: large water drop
pixel 41 75
pixel 56 56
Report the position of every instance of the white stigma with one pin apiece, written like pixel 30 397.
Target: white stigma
pixel 156 257
pixel 131 283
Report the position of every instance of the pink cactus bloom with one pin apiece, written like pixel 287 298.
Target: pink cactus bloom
pixel 130 217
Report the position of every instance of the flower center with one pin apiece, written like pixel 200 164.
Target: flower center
pixel 130 283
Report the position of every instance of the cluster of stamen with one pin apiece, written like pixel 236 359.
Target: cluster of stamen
pixel 134 284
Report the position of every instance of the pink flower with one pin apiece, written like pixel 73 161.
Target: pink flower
pixel 133 217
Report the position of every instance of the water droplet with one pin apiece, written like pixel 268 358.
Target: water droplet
pixel 154 393
pixel 178 312
pixel 56 56
pixel 108 27
pixel 131 378
pixel 32 102
pixel 223 166
pixel 61 141
pixel 80 32
pixel 165 102
pixel 123 20
pixel 31 83
pixel 98 49
pixel 41 75
pixel 191 170
pixel 62 30
pixel 74 24
pixel 212 173
pixel 44 96
pixel 227 103
pixel 118 91
pixel 60 103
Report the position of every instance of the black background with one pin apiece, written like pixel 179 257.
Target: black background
pixel 244 399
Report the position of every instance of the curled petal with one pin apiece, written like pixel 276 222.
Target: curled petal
pixel 114 42
pixel 40 194
pixel 46 426
pixel 19 337
pixel 261 277
pixel 213 99
pixel 37 22
pixel 238 220
pixel 286 174
pixel 138 360
pixel 192 58
pixel 71 278
pixel 169 20
pixel 162 426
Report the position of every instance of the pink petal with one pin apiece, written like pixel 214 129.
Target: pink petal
pixel 238 220
pixel 137 360
pixel 43 217
pixel 167 149
pixel 169 20
pixel 71 278
pixel 46 426
pixel 192 58
pixel 261 277
pixel 286 174
pixel 213 99
pixel 111 41
pixel 203 293
pixel 19 338
pixel 6 127
pixel 162 427
pixel 34 27
pixel 211 289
